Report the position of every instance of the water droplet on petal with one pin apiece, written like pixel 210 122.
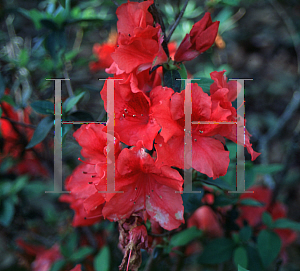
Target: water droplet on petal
pixel 141 114
pixel 160 145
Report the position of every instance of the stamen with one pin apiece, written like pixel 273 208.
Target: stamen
pixel 85 162
pixel 128 260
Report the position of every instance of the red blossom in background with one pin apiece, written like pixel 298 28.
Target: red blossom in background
pixel 205 219
pixel 103 53
pixel 45 258
pixel 253 215
pixel 14 142
pixel 76 268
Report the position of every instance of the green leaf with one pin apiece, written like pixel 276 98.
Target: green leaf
pixel 55 43
pixel 268 245
pixel 7 211
pixel 217 251
pixel 41 131
pixel 2 86
pixel 72 101
pixel 80 116
pixel 240 268
pixel 63 3
pixel 240 257
pixel 23 57
pixel 223 200
pixel 284 223
pixel 205 83
pixel 8 99
pixel 245 234
pixel 267 219
pixel 19 184
pixel 220 183
pixel 69 244
pixel 251 202
pixel 183 74
pixel 70 55
pixel 192 201
pixel 0 112
pixel 184 237
pixel 65 129
pixel 50 24
pixel 84 20
pixel 170 81
pixel 254 261
pixel 268 169
pixel 57 266
pixel 102 259
pixel 81 254
pixel 43 107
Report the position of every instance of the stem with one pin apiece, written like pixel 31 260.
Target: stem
pixel 149 262
pixel 179 16
pixel 158 19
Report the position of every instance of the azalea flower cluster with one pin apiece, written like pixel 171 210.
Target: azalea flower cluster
pixel 149 123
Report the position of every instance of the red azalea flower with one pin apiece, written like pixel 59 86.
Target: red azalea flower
pixel 201 38
pixel 172 47
pixel 145 187
pixel 81 187
pixel 84 198
pixel 139 43
pixel 136 82
pixel 133 120
pixel 208 155
pixel 133 16
pixel 141 51
pixel 103 53
pixel 206 220
pixel 222 94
